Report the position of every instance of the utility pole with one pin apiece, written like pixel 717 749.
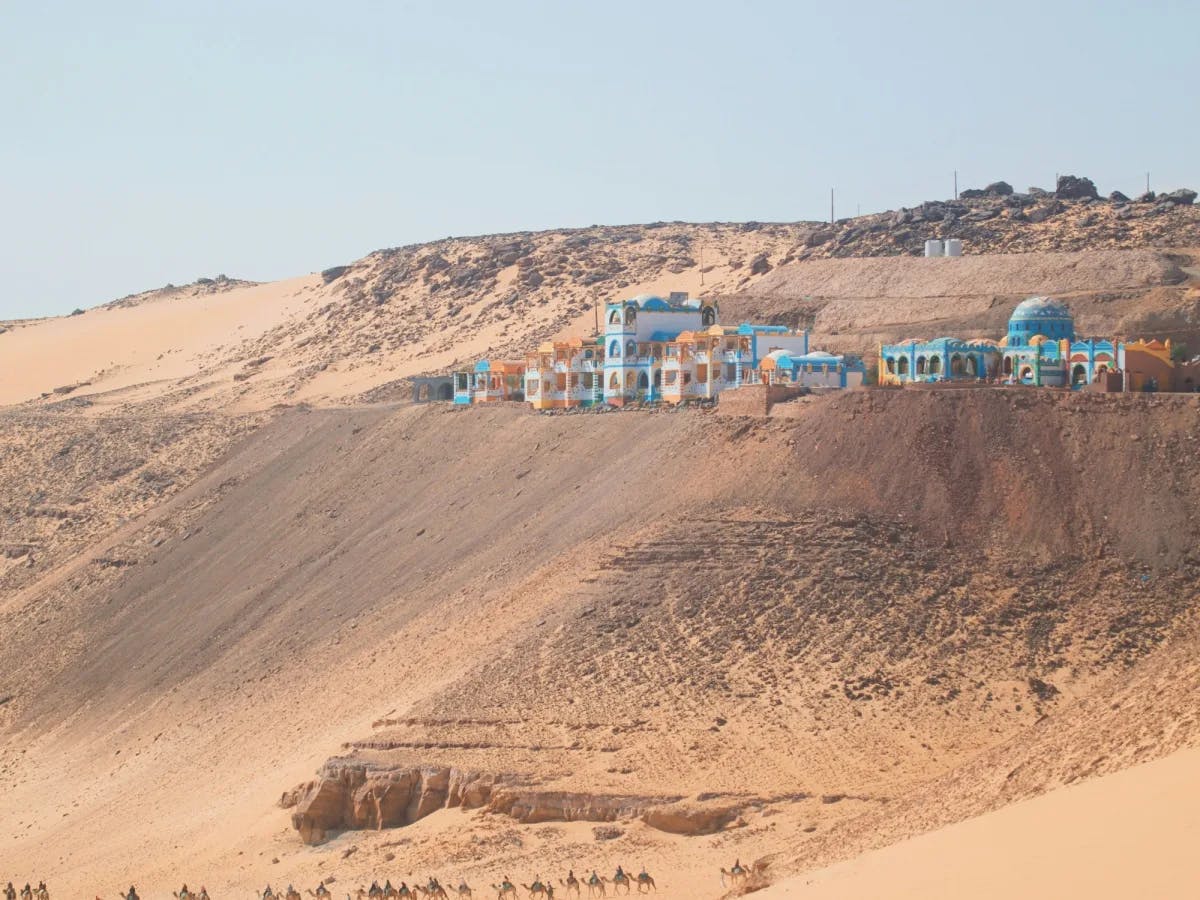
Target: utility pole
pixel 702 264
pixel 956 184
pixel 1147 182
pixel 831 219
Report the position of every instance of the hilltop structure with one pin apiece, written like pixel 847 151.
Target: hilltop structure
pixel 1040 349
pixel 653 349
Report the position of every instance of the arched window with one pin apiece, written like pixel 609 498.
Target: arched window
pixel 615 382
pixel 643 382
pixel 972 367
pixel 708 316
pixel 902 366
pixel 630 315
pixel 614 349
pixel 890 364
pixel 614 317
pixel 920 365
pixel 1079 374
pixel 1007 367
pixel 658 378
pixel 957 367
pixel 630 380
pixel 631 348
pixel 935 365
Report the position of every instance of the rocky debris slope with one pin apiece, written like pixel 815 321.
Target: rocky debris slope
pixel 198 288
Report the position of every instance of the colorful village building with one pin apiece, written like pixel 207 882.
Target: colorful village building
pixel 490 382
pixel 816 369
pixel 1040 349
pixel 653 349
pixel 564 374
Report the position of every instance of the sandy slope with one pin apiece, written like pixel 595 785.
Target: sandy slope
pixel 341 569
pixel 1132 834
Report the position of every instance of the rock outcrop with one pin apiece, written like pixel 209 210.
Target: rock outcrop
pixel 350 794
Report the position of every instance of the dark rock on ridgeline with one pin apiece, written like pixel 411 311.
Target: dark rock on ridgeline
pixel 334 273
pixel 1118 197
pixel 760 265
pixel 1071 187
pixel 1044 211
pixel 998 189
pixel 1038 192
pixel 1147 197
pixel 1182 197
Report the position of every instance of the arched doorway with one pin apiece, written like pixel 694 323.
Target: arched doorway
pixel 957 367
pixel 1026 374
pixel 643 382
pixel 1007 367
pixel 1079 374
pixel 902 366
pixel 920 365
pixel 614 350
pixel 657 378
pixel 972 367
pixel 890 364
pixel 935 365
pixel 445 391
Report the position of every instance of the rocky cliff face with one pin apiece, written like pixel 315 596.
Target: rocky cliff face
pixel 351 794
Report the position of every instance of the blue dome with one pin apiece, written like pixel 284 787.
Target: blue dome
pixel 1040 316
pixel 1041 308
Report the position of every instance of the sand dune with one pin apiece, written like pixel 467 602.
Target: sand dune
pixel 1132 834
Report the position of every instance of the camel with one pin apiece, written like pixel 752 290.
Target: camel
pixel 463 889
pixel 183 894
pixel 389 892
pixel 203 895
pixel 505 889
pixel 290 894
pixel 620 879
pixel 436 891
pixel 42 893
pixel 571 885
pixel 10 892
pixel 321 893
pixel 737 875
pixel 132 895
pixel 268 894
pixel 539 889
pixel 645 884
pixel 595 885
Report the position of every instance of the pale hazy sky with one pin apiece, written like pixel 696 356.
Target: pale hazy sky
pixel 146 143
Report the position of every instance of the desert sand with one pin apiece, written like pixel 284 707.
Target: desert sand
pixel 1132 834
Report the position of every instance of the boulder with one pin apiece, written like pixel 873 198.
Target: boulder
pixel 1038 192
pixel 1044 211
pixel 818 237
pixel 1147 197
pixel 1071 187
pixel 1182 197
pixel 998 189
pixel 760 265
pixel 1118 197
pixel 691 817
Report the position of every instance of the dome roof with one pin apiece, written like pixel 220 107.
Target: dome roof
pixel 1041 308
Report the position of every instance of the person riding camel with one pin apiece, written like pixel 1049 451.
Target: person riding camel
pixel 10 892
pixel 132 895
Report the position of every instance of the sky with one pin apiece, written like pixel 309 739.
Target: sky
pixel 158 142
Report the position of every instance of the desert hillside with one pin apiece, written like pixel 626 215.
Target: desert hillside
pixel 759 643
pixel 354 332
pixel 264 621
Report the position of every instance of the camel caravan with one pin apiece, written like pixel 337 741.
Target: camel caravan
pixel 594 884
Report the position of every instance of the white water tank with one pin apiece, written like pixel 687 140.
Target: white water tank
pixel 953 247
pixel 933 248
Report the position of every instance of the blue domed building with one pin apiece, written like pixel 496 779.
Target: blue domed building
pixel 1040 349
